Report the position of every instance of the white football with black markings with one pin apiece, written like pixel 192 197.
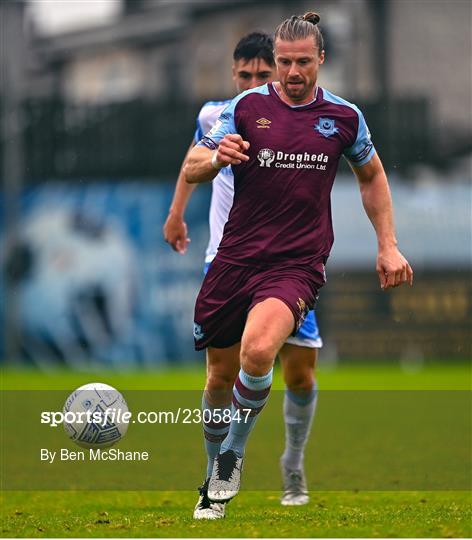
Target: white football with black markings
pixel 93 416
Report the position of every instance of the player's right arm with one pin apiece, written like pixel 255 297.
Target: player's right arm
pixel 204 162
pixel 220 147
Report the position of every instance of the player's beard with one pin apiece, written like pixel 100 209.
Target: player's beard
pixel 300 92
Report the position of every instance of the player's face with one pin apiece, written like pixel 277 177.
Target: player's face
pixel 298 63
pixel 251 73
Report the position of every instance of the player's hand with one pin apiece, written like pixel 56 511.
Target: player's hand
pixel 175 233
pixel 393 269
pixel 231 150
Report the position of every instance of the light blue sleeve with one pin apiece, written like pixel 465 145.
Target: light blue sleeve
pixel 224 125
pixel 198 132
pixel 362 151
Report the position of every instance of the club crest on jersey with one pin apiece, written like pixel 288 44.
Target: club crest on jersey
pixel 266 156
pixel 326 127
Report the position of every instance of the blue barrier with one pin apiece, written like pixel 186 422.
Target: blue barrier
pixel 96 281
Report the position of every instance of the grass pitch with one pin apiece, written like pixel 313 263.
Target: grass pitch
pixel 253 513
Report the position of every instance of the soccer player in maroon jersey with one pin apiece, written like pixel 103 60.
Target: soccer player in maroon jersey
pixel 253 66
pixel 271 261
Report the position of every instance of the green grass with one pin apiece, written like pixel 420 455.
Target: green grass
pixel 251 514
pixel 434 376
pixel 352 513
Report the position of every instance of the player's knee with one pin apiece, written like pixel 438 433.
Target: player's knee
pixel 301 382
pixel 257 358
pixel 220 383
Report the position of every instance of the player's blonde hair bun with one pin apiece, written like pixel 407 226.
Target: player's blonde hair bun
pixel 312 17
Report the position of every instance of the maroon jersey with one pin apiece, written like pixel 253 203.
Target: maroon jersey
pixel 281 211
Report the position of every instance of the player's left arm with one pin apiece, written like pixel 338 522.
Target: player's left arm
pixel 392 267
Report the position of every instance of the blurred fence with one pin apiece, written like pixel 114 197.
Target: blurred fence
pixel 430 320
pixel 136 139
pixel 96 283
pixel 148 139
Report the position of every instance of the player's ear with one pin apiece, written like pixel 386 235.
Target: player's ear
pixel 233 69
pixel 322 57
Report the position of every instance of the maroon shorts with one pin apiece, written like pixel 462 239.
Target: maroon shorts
pixel 230 291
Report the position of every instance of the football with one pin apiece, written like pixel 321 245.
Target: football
pixel 96 416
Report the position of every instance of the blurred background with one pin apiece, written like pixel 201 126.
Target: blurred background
pixel 99 99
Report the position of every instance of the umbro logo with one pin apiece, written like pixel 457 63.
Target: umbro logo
pixel 263 123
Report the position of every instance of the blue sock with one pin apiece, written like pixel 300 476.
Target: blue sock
pixel 299 411
pixel 214 432
pixel 248 393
